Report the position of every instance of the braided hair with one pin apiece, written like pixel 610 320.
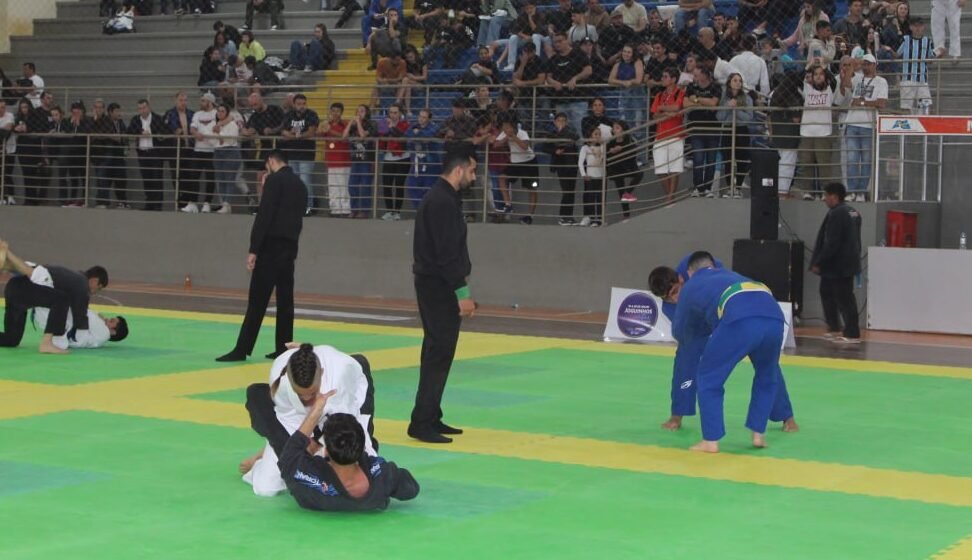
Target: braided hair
pixel 303 366
pixel 343 438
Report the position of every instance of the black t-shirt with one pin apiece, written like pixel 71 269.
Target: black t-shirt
pixel 303 149
pixel 563 68
pixel 272 118
pixel 653 70
pixel 713 90
pixel 559 19
pixel 425 6
pixel 362 150
pixel 522 24
pixel 534 67
pixel 613 39
pixel 600 71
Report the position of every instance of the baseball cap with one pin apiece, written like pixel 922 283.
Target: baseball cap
pixel 870 58
pixel 208 96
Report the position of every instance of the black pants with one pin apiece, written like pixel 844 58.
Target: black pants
pixel 181 171
pixel 274 270
pixel 568 184
pixel 72 171
pixel 439 311
pixel 263 418
pixel 393 176
pixel 199 176
pixel 31 161
pixel 150 163
pixel 622 188
pixel 9 162
pixel 840 304
pixel 271 6
pixel 741 156
pixel 592 198
pixel 111 175
pixel 21 295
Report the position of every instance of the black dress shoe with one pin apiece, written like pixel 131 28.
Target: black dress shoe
pixel 234 356
pixel 429 436
pixel 274 355
pixel 444 428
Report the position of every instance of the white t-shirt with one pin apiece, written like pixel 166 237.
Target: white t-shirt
pixel 6 122
pixel 754 72
pixel 145 142
pixel 817 119
pixel 229 135
pixel 632 15
pixel 38 90
pixel 203 123
pixel 871 89
pixel 518 154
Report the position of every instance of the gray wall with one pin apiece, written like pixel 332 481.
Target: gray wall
pixel 538 266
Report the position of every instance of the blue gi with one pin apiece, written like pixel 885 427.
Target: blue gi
pixel 741 318
pixel 426 161
pixel 687 355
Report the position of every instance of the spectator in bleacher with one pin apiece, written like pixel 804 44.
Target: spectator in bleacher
pixel 249 46
pixel 736 115
pixel 783 121
pixel 597 118
pixel 273 7
pixel 693 15
pixel 108 154
pixel 600 69
pixel 177 121
pixel 854 25
pixel 657 29
pixel 31 85
pixel 378 16
pixel 8 151
pixel 460 127
pixel 265 120
pixel 227 159
pixel 395 158
pixel 687 75
pixel 7 94
pixel 615 37
pixel 211 70
pixel 263 75
pixel 628 74
pixel 53 148
pixel 810 14
pixel 428 16
pixel 199 167
pixel 480 102
pixel 597 15
pixel 822 49
pixel 527 27
pixel 635 15
pixel 151 149
pixel 563 162
pixel 753 69
pixel 703 97
pixel 817 143
pixel 361 132
pixel 388 39
pixel 731 38
pixel 424 167
pixel 232 33
pixel 580 29
pixel 32 127
pixel 496 16
pixel 453 40
pixel 298 131
pixel 591 163
pixel 389 75
pixel 416 74
pixel 498 159
pixel 74 154
pixel 654 66
pixel 896 27
pixel 915 51
pixel 870 95
pixel 123 21
pixel 708 45
pixel 948 12
pixel 877 11
pixel 523 162
pixel 482 71
pixel 337 157
pixel 530 72
pixel 753 14
pixel 622 165
pixel 224 47
pixel 668 151
pixel 565 69
pixel 317 54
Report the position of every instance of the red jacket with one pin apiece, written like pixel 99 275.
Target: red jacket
pixel 337 151
pixel 395 144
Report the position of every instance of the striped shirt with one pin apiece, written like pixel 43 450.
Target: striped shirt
pixel 914 53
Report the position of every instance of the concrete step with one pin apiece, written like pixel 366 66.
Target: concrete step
pixel 204 23
pixel 89 8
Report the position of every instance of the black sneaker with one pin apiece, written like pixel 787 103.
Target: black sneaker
pixel 526 220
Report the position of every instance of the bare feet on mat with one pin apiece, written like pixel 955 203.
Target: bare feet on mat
pixel 790 425
pixel 47 346
pixel 673 424
pixel 759 440
pixel 706 446
pixel 247 464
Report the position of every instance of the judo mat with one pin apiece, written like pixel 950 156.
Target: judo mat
pixel 131 452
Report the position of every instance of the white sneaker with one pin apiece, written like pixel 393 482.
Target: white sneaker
pixel 695 193
pixel 808 196
pixel 586 221
pixel 206 208
pixel 509 68
pixel 710 194
pixel 308 69
pixel 225 209
pixel 273 28
pixel 388 216
pixel 396 216
pixel 190 208
pixel 10 201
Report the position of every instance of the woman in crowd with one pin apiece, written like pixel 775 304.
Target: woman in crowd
pixel 361 132
pixel 736 115
pixel 226 158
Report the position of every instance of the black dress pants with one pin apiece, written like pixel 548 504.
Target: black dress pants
pixel 439 310
pixel 840 304
pixel 21 295
pixel 274 270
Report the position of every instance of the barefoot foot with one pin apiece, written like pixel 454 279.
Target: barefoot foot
pixel 47 346
pixel 790 425
pixel 673 424
pixel 706 446
pixel 247 464
pixel 759 440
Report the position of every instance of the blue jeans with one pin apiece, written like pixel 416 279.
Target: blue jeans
pixel 703 18
pixel 305 170
pixel 226 163
pixel 489 31
pixel 302 56
pixel 514 43
pixel 576 110
pixel 632 105
pixel 359 185
pixel 419 183
pixel 859 156
pixel 705 154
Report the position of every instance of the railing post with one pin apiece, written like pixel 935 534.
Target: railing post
pixel 3 170
pixel 178 166
pixel 533 113
pixel 924 168
pixel 877 159
pixel 732 155
pixel 488 185
pixel 941 163
pixel 901 166
pixel 604 184
pixel 87 169
pixel 374 185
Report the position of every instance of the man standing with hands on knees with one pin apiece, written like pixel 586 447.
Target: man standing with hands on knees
pixel 273 250
pixel 441 270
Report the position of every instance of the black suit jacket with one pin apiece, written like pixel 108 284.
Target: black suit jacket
pixel 161 135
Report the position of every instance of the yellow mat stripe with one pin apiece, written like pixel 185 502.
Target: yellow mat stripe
pixel 962 550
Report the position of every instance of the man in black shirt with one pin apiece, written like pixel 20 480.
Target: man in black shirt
pixel 530 72
pixel 441 270
pixel 614 38
pixel 265 120
pixel 703 96
pixel 299 130
pixel 565 69
pixel 837 259
pixel 348 479
pixel 273 250
pixel 30 150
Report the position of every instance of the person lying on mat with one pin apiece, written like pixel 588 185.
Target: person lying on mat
pixel 101 330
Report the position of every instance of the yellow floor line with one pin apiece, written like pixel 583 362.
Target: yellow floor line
pixel 962 550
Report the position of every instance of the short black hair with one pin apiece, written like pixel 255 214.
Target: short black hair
pixel 836 188
pixel 142 101
pixel 113 106
pixel 456 156
pixel 300 96
pixel 98 272
pixel 218 25
pixel 822 25
pixel 278 155
pixel 661 281
pixel 344 438
pixel 121 330
pixel 338 105
pixel 749 42
pixel 250 60
pixel 31 65
pixel 698 258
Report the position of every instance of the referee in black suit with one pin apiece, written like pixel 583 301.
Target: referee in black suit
pixel 441 269
pixel 273 250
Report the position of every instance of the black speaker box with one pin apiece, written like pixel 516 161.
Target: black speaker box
pixel 778 264
pixel 764 213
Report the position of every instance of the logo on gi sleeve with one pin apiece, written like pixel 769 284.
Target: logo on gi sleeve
pixel 637 315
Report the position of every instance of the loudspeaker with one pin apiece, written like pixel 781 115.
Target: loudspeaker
pixel 764 209
pixel 778 264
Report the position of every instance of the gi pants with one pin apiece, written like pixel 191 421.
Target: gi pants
pixel 21 294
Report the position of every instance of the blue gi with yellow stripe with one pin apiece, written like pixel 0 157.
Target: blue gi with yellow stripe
pixel 740 318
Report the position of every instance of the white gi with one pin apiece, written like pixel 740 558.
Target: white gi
pixel 342 373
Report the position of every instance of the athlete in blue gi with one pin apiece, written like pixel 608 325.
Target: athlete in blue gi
pixel 426 157
pixel 738 317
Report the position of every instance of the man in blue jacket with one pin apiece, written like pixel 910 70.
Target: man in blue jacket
pixel 739 318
